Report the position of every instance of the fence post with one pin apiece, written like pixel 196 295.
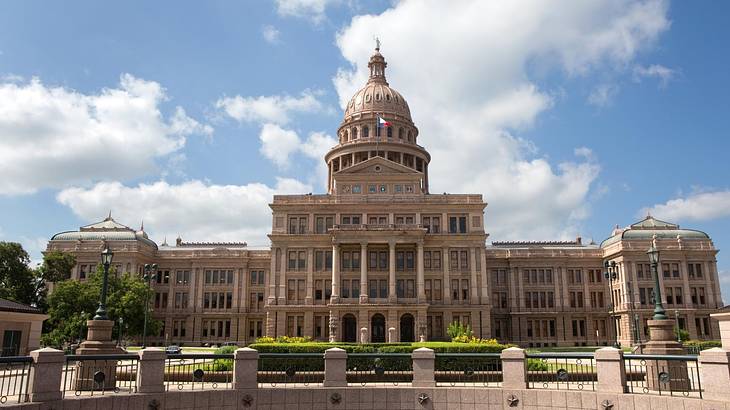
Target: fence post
pixel 423 367
pixel 715 374
pixel 245 368
pixel 45 375
pixel 610 370
pixel 514 369
pixel 335 368
pixel 151 370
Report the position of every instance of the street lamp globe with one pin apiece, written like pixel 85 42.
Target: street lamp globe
pixel 106 257
pixel 653 254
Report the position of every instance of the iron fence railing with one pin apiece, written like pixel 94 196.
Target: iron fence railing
pixel 198 371
pixel 100 374
pixel 468 369
pixel 379 369
pixel 672 375
pixel 561 371
pixel 290 369
pixel 14 378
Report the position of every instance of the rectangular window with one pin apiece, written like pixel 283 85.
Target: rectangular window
pixel 670 296
pixel 345 289
pixel 327 289
pixel 465 289
pixel 383 284
pixel 373 289
pixel 318 293
pixel 400 288
pixel 675 270
pixel 383 260
pixel 437 292
pixel 678 296
pixel 355 288
pixel 665 270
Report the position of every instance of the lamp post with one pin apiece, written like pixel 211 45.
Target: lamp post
pixel 149 274
pixel 119 335
pixel 611 274
pixel 106 261
pixel 659 313
pixel 676 324
pixel 637 335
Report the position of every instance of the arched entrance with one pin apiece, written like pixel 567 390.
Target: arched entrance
pixel 349 328
pixel 377 328
pixel 406 328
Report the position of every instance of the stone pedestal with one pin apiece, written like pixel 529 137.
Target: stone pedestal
pixel 335 368
pixel 665 374
pixel 391 335
pixel 423 367
pixel 98 342
pixel 364 335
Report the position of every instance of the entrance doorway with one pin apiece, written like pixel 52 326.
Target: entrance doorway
pixel 377 328
pixel 349 328
pixel 406 328
pixel 11 343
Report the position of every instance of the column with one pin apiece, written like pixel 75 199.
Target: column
pixel 335 273
pixel 485 276
pixel 423 367
pixel 364 272
pixel 447 278
pixel 271 277
pixel 420 280
pixel 610 370
pixel 686 296
pixel 513 279
pixel 709 289
pixel 282 277
pixel 473 287
pixel 514 371
pixel 391 272
pixel 151 370
pixel 308 299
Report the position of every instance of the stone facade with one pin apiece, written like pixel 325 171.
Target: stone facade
pixel 380 258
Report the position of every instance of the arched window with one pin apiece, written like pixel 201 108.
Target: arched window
pixel 365 132
pixel 347 136
pixel 409 136
pixel 354 133
pixel 390 132
pixel 400 133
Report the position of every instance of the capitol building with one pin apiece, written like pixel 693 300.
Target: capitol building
pixel 380 258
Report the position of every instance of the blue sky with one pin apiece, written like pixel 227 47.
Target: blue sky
pixel 569 117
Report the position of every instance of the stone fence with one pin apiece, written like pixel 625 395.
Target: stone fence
pixel 608 389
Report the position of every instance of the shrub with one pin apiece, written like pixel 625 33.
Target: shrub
pixel 458 330
pixel 220 365
pixel 681 334
pixel 699 345
pixel 536 365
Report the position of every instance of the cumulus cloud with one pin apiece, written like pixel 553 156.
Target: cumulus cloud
pixel 313 10
pixel 196 210
pixel 271 34
pixel 52 137
pixel 699 206
pixel 469 89
pixel 277 144
pixel 664 74
pixel 269 108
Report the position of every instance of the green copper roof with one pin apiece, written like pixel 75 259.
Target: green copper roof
pixel 649 226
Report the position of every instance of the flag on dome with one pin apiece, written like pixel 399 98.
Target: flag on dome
pixel 382 123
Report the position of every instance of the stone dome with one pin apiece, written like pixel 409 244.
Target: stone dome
pixel 377 96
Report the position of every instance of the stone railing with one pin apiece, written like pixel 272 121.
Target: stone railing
pixel 338 380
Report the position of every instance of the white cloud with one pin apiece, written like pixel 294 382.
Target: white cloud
pixel 271 34
pixel 313 10
pixel 469 89
pixel 699 206
pixel 664 74
pixel 196 210
pixel 277 144
pixel 52 137
pixel 273 108
pixel 603 94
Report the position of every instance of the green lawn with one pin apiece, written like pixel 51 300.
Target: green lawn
pixel 185 349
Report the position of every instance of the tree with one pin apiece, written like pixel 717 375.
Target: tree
pixel 74 302
pixel 57 266
pixel 18 282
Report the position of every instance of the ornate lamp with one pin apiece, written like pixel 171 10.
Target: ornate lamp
pixel 106 261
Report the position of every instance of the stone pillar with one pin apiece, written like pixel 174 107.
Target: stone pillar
pixel 45 375
pixel 245 368
pixel 420 279
pixel 335 368
pixel 610 370
pixel 335 274
pixel 391 335
pixel 282 276
pixel 423 367
pixel 271 278
pixel 151 370
pixel 447 278
pixel 364 273
pixel 98 342
pixel 514 369
pixel 723 321
pixel 363 335
pixel 662 341
pixel 308 299
pixel 473 287
pixel 715 374
pixel 392 297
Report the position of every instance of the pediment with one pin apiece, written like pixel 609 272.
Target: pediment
pixel 377 165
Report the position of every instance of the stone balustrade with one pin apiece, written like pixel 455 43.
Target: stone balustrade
pixel 607 390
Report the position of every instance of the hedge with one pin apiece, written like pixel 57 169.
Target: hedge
pixel 387 363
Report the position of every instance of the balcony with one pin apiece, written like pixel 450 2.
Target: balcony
pixel 377 227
